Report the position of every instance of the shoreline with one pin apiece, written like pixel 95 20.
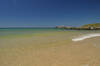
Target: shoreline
pixel 86 37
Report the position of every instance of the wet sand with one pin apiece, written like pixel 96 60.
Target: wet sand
pixel 50 50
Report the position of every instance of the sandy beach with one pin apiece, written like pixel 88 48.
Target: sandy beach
pixel 50 49
pixel 49 32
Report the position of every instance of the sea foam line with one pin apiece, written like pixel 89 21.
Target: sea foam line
pixel 86 37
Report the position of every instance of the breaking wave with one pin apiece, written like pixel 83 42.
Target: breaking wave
pixel 86 37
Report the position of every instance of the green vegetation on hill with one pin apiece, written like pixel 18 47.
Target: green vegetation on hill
pixel 92 25
pixel 95 26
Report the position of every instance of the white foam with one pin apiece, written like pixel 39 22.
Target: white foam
pixel 86 37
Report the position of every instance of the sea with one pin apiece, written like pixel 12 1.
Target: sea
pixel 49 47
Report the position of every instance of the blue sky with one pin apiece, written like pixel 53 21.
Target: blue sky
pixel 48 12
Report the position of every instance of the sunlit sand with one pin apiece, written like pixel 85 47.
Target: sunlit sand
pixel 50 49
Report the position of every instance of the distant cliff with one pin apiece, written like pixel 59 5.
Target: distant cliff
pixel 92 25
pixel 95 26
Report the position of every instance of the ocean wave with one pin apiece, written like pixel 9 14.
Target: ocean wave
pixel 86 37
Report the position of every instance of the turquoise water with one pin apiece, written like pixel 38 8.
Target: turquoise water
pixel 5 32
pixel 24 31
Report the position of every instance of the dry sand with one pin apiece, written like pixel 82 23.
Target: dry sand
pixel 55 53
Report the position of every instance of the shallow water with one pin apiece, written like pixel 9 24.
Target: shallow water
pixel 48 47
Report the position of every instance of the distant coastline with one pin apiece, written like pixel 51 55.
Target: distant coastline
pixel 95 26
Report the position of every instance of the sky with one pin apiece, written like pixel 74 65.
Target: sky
pixel 27 13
